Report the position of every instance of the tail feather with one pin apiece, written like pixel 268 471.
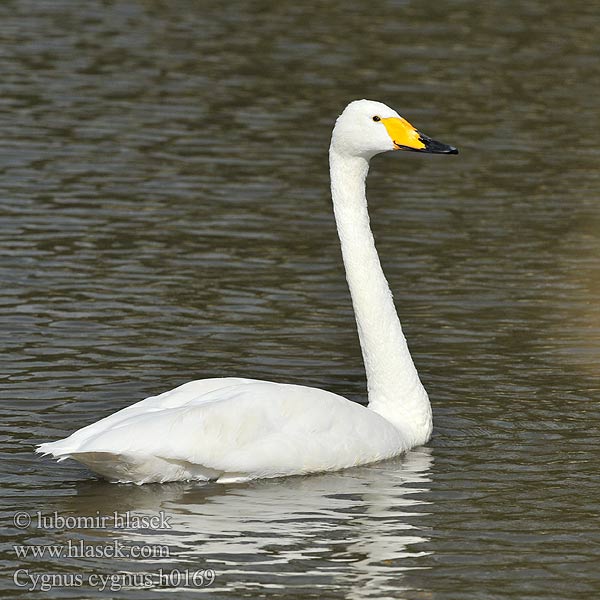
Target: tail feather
pixel 53 449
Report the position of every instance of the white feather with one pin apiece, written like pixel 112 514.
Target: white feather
pixel 232 429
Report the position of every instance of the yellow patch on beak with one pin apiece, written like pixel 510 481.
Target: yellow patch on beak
pixel 403 134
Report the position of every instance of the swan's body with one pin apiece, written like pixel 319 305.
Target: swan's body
pixel 235 429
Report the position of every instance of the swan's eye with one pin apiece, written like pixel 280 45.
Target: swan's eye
pixel 376 118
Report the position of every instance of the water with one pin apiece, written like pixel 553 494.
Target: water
pixel 165 217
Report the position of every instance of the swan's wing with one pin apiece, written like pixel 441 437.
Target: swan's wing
pixel 190 393
pixel 242 429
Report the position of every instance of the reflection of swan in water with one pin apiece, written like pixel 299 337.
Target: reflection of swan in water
pixel 239 429
pixel 353 530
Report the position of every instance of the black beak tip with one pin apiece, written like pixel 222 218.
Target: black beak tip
pixel 435 147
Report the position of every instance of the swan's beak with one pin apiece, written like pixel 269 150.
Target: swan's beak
pixel 406 137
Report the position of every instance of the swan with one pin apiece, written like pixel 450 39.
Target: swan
pixel 234 429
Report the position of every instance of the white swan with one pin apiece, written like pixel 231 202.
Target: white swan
pixel 234 429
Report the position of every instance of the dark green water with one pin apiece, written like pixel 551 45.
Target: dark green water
pixel 165 216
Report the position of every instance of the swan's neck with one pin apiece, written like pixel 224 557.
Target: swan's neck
pixel 394 388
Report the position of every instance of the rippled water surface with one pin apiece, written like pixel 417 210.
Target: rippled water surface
pixel 165 216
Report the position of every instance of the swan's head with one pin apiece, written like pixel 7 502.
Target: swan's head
pixel 367 128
